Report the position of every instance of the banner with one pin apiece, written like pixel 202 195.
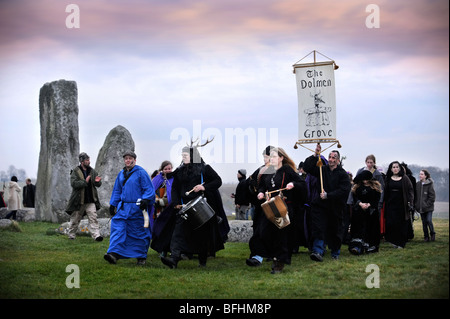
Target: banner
pixel 316 101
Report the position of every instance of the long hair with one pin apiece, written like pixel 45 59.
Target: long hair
pixel 389 172
pixel 373 183
pixel 164 164
pixel 286 159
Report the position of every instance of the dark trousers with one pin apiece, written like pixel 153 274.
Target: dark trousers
pixel 327 228
pixel 11 213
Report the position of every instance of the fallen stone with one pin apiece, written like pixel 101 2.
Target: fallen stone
pixel 240 230
pixel 22 215
pixel 104 225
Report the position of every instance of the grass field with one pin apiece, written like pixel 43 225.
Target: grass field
pixel 35 265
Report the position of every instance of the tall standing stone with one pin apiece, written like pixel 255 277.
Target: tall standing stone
pixel 58 115
pixel 110 162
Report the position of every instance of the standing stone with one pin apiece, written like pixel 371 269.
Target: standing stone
pixel 110 162
pixel 58 115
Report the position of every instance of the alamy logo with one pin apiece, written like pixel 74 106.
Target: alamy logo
pixel 234 145
pixel 73 19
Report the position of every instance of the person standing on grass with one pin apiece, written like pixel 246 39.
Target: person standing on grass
pixel 398 202
pixel 425 197
pixel 365 220
pixel 241 197
pixel 133 194
pixel 29 192
pixel 194 178
pixel 257 249
pixel 13 198
pixel 84 198
pixel 327 210
pixel 279 243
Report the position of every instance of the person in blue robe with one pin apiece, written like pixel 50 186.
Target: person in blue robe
pixel 163 212
pixel 129 238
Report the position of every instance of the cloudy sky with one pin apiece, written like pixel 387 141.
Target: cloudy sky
pixel 169 70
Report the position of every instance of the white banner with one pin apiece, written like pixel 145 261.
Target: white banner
pixel 316 101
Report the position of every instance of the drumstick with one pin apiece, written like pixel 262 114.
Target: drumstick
pixel 187 193
pixel 278 190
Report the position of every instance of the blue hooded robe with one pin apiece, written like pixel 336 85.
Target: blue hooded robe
pixel 157 182
pixel 128 236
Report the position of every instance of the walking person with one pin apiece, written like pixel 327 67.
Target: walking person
pixel 280 242
pixel 132 196
pixel 398 202
pixel 327 210
pixel 425 198
pixel 194 178
pixel 257 249
pixel 13 198
pixel 365 219
pixel 84 198
pixel 163 211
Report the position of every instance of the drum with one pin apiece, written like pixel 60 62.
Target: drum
pixel 197 212
pixel 276 211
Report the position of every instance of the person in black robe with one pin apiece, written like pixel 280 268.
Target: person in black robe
pixel 398 202
pixel 327 210
pixel 29 192
pixel 194 178
pixel 365 220
pixel 280 242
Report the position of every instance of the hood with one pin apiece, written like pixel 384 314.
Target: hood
pixel 12 184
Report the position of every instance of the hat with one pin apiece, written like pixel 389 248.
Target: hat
pixel 365 175
pixel 243 172
pixel 83 156
pixel 301 165
pixel 130 153
pixel 14 179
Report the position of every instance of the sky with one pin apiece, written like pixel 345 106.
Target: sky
pixel 169 71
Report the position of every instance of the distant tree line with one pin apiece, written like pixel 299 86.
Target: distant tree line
pixel 20 173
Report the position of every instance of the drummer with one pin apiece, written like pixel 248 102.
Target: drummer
pixel 283 174
pixel 192 179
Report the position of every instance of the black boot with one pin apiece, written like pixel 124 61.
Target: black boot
pixel 111 258
pixel 277 266
pixel 170 262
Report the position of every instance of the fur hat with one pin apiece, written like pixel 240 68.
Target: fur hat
pixel 365 175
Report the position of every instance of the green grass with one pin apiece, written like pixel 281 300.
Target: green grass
pixel 33 266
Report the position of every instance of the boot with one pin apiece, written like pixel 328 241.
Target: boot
pixel 433 237
pixel 111 258
pixel 141 261
pixel 277 266
pixel 170 262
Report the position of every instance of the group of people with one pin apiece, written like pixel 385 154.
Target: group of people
pixel 13 201
pixel 157 212
pixel 385 205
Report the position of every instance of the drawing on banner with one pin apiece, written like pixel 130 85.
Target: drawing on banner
pixel 317 115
